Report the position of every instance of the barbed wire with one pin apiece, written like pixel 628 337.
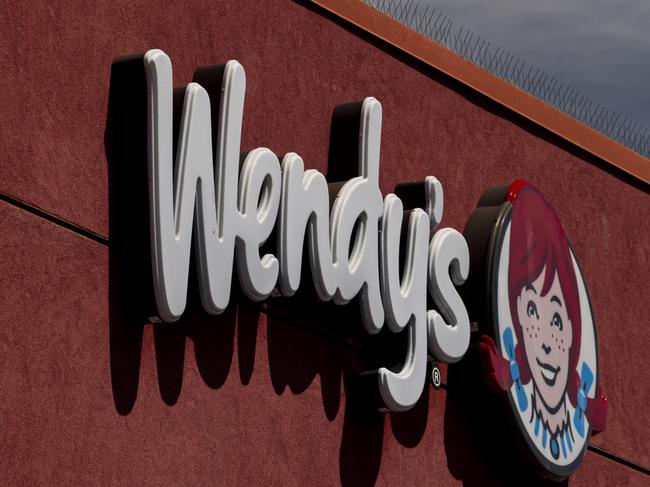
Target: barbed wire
pixel 441 29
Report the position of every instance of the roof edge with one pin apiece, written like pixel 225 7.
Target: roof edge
pixel 508 95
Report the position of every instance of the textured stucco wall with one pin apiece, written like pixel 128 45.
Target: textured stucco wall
pixel 258 395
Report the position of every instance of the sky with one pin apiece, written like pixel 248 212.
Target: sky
pixel 599 47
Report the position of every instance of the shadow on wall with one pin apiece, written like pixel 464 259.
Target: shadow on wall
pixel 478 441
pixel 333 346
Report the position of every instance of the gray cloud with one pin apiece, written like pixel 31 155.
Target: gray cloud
pixel 599 47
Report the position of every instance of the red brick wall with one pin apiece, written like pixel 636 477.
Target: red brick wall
pixel 262 395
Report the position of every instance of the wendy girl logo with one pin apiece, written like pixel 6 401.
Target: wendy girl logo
pixel 538 348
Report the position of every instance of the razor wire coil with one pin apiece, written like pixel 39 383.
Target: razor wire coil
pixel 440 29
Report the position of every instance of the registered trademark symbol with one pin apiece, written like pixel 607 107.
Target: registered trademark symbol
pixel 436 377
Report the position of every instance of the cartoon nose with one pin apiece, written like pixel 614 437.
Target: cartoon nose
pixel 546 349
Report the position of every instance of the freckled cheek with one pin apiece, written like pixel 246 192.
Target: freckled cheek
pixel 528 330
pixel 562 345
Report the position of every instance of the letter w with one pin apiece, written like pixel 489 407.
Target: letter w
pixel 191 191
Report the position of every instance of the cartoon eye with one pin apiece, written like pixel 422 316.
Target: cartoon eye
pixel 557 321
pixel 532 309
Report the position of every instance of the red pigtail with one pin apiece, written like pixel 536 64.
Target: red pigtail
pixel 597 412
pixel 496 369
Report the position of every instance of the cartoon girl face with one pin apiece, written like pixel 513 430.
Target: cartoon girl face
pixel 542 351
pixel 547 335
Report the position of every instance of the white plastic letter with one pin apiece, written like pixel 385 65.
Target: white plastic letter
pixel 405 301
pixel 173 197
pixel 434 200
pixel 359 203
pixel 259 198
pixel 448 265
pixel 304 208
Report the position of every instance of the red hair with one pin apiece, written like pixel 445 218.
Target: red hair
pixel 538 242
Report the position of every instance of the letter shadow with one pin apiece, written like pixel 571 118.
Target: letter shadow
pixel 130 290
pixel 306 339
pixel 481 447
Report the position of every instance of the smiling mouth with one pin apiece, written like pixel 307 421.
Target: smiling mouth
pixel 549 373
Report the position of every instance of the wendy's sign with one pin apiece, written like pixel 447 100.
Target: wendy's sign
pixel 539 345
pixel 198 191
